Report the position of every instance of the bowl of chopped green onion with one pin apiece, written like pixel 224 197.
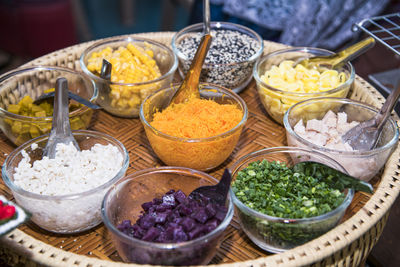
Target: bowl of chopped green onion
pixel 280 206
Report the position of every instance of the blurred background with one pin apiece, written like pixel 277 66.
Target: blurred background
pixel 32 28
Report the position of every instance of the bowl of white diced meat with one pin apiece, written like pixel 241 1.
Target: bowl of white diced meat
pixel 320 123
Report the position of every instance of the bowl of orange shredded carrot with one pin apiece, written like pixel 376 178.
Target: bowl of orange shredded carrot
pixel 198 134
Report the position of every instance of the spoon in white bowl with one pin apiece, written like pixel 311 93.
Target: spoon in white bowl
pixel 365 135
pixel 61 129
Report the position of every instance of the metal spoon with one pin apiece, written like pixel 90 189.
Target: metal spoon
pixel 106 68
pixel 190 85
pixel 337 60
pixel 61 129
pixel 217 193
pixel 71 95
pixel 365 135
pixel 339 179
pixel 206 16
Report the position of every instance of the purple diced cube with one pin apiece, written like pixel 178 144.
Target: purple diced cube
pixel 147 221
pixel 212 224
pixel 188 224
pixel 169 200
pixel 200 215
pixel 210 209
pixel 157 201
pixel 162 238
pixel 197 232
pixel 185 210
pixel 138 232
pixel 180 196
pixel 161 217
pixel 179 235
pixel 146 206
pixel 151 234
pixel 125 224
pixel 161 208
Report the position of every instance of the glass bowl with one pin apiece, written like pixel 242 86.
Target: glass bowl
pixel 277 101
pixel 196 153
pixel 279 234
pixel 361 164
pixel 33 82
pixel 123 202
pixel 124 99
pixel 68 213
pixel 225 64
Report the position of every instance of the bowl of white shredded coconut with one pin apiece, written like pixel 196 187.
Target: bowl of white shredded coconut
pixel 64 194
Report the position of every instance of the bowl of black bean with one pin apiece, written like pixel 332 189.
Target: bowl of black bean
pixel 233 52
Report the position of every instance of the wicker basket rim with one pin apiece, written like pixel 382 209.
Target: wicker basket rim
pixel 315 250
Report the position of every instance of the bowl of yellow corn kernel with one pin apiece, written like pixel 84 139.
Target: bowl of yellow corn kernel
pixel 22 118
pixel 281 83
pixel 139 67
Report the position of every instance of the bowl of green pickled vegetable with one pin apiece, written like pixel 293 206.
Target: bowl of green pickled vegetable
pixel 281 206
pixel 23 117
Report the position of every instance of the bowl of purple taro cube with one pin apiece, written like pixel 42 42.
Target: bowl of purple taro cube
pixel 152 220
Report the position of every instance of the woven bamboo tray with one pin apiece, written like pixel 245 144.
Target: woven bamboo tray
pixel 346 245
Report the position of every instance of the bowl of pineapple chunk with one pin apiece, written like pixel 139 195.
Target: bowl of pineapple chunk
pixel 23 117
pixel 139 67
pixel 281 83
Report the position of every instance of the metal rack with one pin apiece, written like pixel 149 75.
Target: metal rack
pixel 385 29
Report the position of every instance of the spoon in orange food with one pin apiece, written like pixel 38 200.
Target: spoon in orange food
pixel 190 85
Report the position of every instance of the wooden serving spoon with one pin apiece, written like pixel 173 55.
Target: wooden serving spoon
pixel 190 85
pixel 340 58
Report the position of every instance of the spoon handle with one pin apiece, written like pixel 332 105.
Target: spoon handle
pixel 346 55
pixel 206 16
pixel 387 107
pixel 225 183
pixel 61 129
pixel 61 110
pixel 106 68
pixel 190 84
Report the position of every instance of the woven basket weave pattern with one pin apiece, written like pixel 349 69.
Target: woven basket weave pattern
pixel 346 245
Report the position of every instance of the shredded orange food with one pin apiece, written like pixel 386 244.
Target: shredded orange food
pixel 197 118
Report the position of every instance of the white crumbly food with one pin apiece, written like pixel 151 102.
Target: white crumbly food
pixel 70 172
pixel 328 133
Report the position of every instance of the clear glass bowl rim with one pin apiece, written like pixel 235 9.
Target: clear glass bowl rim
pixel 257 77
pixel 346 202
pixel 347 101
pixel 74 113
pixel 95 134
pixel 205 86
pixel 127 39
pixel 217 25
pixel 166 169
